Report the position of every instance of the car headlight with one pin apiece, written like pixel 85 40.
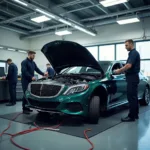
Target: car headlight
pixel 76 89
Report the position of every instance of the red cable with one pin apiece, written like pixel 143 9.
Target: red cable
pixel 25 132
pixel 9 125
pixel 11 139
pixel 88 138
pixel 35 129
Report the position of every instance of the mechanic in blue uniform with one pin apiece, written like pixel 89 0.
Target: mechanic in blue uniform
pixel 28 66
pixel 131 69
pixel 12 81
pixel 50 70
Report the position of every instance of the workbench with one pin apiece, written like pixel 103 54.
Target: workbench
pixel 4 90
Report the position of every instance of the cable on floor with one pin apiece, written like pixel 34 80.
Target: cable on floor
pixel 36 129
pixel 88 139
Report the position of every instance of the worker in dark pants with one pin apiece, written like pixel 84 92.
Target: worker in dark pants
pixel 131 69
pixel 50 71
pixel 28 66
pixel 12 81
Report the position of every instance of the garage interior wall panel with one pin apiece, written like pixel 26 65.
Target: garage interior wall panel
pixel 15 56
pixel 12 39
pixel 41 61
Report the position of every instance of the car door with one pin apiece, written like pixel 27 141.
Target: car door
pixel 118 87
pixel 142 85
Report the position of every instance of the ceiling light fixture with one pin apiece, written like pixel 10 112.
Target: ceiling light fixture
pixel 45 13
pixel 40 19
pixel 107 3
pixel 1 47
pixel 20 2
pixel 84 30
pixel 65 22
pixel 22 51
pixel 63 32
pixel 128 20
pixel 10 49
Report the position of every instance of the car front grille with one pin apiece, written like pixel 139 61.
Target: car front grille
pixel 40 104
pixel 45 90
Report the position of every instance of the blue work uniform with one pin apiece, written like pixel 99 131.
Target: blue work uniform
pixel 132 78
pixel 51 72
pixel 12 81
pixel 27 68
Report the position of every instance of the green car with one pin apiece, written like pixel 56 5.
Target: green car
pixel 82 86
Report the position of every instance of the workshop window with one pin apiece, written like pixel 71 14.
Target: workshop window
pixel 144 49
pixel 145 67
pixel 93 51
pixel 121 52
pixel 3 64
pixel 107 52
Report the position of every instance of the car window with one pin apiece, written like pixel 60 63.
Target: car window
pixel 116 66
pixel 105 65
pixel 74 70
pixel 91 70
pixel 77 70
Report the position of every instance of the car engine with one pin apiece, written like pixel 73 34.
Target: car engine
pixel 71 79
pixel 75 78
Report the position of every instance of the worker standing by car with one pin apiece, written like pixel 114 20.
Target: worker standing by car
pixel 28 66
pixel 12 81
pixel 131 69
pixel 50 70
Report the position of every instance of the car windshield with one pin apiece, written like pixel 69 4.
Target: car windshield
pixel 80 69
pixel 104 65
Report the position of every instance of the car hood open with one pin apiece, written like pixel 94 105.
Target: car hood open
pixel 63 54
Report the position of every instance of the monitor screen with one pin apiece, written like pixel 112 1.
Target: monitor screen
pixel 2 72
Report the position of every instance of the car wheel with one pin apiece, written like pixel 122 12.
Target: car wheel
pixel 94 109
pixel 146 97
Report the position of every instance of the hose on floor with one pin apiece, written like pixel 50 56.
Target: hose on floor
pixel 33 130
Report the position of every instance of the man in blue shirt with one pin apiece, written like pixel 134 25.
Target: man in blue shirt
pixel 12 81
pixel 131 69
pixel 28 66
pixel 50 71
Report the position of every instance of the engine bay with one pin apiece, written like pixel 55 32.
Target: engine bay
pixel 71 79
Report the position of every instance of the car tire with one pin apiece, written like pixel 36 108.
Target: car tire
pixel 94 110
pixel 146 97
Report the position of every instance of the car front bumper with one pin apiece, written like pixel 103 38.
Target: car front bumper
pixel 71 105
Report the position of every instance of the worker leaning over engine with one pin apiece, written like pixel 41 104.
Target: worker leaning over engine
pixel 28 66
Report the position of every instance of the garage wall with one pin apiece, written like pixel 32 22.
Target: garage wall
pixel 106 34
pixel 41 61
pixel 15 56
pixel 9 38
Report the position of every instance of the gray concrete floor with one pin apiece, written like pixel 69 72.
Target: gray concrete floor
pixel 125 136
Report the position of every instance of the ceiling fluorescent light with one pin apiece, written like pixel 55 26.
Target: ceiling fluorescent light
pixel 65 22
pixel 63 32
pixel 20 2
pixel 10 49
pixel 22 51
pixel 40 19
pixel 127 20
pixel 45 13
pixel 1 47
pixel 107 3
pixel 84 30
